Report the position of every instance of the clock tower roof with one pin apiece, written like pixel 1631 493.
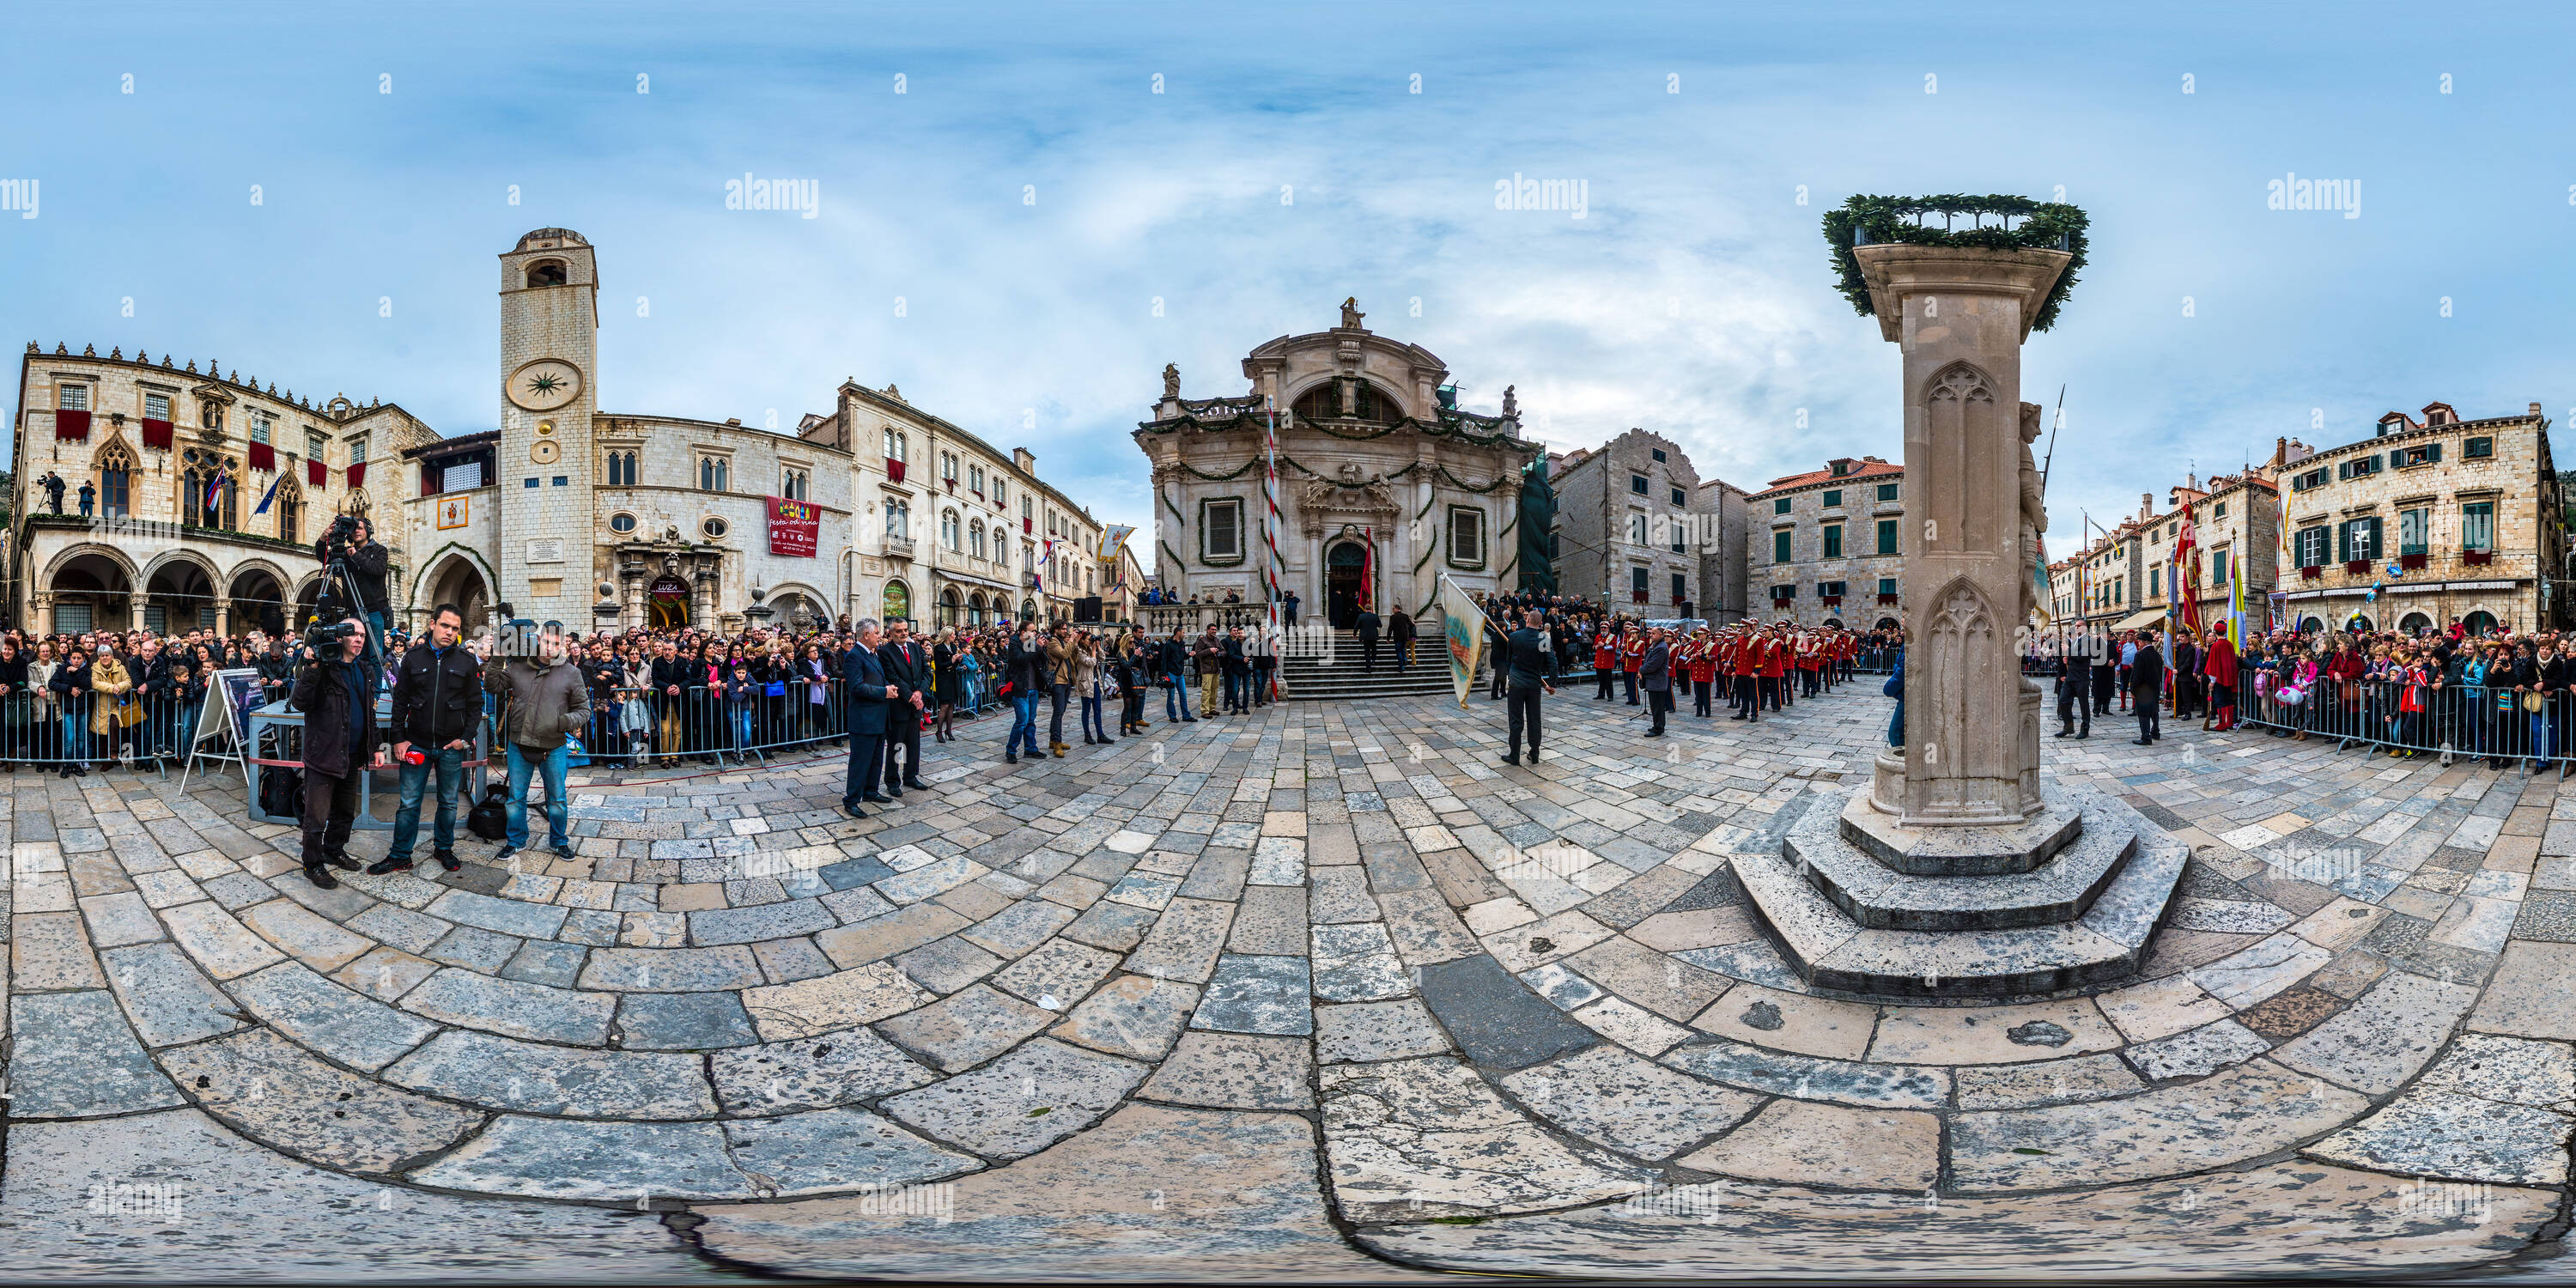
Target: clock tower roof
pixel 550 238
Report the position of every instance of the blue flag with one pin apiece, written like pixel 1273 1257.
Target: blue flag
pixel 269 496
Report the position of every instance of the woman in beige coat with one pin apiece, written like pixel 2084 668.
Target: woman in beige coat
pixel 109 683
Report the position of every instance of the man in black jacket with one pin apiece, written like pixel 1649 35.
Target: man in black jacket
pixel 337 694
pixel 907 668
pixel 438 700
pixel 2074 690
pixel 156 687
pixel 1172 660
pixel 1531 666
pixel 1399 630
pixel 2146 687
pixel 1238 675
pixel 1368 640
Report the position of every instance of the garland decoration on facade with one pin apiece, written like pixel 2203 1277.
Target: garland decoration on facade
pixel 2042 225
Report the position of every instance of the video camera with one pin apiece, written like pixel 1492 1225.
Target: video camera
pixel 342 532
pixel 324 637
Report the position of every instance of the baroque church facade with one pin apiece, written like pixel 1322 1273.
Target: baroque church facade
pixel 1385 483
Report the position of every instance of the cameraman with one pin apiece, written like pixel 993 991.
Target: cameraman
pixel 336 691
pixel 351 540
pixel 543 699
pixel 438 699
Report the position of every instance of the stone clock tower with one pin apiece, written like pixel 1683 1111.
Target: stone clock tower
pixel 549 366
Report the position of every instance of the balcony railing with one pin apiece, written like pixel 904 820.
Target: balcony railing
pixel 898 547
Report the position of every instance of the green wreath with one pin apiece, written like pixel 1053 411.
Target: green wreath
pixel 2044 225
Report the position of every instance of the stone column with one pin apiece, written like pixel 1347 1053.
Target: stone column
pixel 1972 722
pixel 223 616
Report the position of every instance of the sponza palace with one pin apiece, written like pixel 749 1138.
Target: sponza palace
pixel 192 495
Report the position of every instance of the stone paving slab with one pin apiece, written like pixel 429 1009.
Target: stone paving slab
pixel 982 976
pixel 242 1213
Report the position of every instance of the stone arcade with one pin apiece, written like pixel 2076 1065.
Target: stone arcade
pixel 1955 871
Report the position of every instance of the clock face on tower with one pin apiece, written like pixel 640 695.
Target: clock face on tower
pixel 544 385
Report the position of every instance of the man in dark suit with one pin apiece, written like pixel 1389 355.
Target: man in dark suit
pixel 865 678
pixel 1368 640
pixel 2074 689
pixel 1531 663
pixel 2146 687
pixel 2189 699
pixel 1655 675
pixel 907 668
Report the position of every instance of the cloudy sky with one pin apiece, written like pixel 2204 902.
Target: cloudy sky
pixel 1024 232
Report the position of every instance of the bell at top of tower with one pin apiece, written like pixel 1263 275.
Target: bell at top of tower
pixel 549 238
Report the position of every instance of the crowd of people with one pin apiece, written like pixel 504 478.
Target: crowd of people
pixel 2499 694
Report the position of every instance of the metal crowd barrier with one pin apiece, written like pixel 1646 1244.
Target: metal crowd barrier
pixel 637 727
pixel 2490 722
pixel 147 732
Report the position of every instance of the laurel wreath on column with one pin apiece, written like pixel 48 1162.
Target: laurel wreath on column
pixel 1997 222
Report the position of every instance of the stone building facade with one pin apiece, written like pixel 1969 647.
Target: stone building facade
pixel 1629 530
pixel 178 462
pixel 600 520
pixel 2467 511
pixel 1826 547
pixel 1724 559
pixel 951 530
pixel 1385 484
pixel 610 520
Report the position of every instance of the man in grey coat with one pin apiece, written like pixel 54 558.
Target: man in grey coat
pixel 543 700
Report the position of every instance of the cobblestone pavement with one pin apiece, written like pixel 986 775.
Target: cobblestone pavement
pixel 1327 992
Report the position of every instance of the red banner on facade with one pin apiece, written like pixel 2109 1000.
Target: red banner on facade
pixel 795 528
pixel 263 457
pixel 71 424
pixel 156 433
pixel 317 474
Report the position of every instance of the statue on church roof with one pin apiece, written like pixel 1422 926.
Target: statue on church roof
pixel 1511 403
pixel 1351 314
pixel 1171 380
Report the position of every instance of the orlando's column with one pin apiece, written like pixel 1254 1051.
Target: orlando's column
pixel 1972 723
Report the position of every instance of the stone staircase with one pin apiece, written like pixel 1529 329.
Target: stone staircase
pixel 1339 678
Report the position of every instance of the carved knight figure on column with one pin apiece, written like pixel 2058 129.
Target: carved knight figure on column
pixel 2034 514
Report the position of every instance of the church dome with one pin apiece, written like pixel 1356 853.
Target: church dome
pixel 545 238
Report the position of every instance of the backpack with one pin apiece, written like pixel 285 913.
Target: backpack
pixel 486 818
pixel 281 792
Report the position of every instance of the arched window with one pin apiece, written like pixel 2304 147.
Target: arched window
pixel 948 607
pixel 621 469
pixel 290 511
pixel 547 272
pixel 975 609
pixel 714 474
pixel 1368 402
pixel 1002 552
pixel 209 491
pixel 975 538
pixel 948 529
pixel 358 502
pixel 898 520
pixel 895 444
pixel 792 485
pixel 115 481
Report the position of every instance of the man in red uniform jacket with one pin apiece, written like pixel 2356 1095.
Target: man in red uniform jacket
pixel 1632 658
pixel 1605 664
pixel 2219 664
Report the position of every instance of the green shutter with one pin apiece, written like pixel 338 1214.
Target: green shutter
pixel 1780 546
pixel 2343 543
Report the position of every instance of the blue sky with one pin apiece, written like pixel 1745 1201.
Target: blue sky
pixel 1694 298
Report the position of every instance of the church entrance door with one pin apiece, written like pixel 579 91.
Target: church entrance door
pixel 1345 583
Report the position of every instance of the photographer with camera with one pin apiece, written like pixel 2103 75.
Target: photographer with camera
pixel 544 699
pixel 353 578
pixel 335 688
pixel 438 699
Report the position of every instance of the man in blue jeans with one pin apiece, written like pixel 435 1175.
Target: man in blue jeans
pixel 1173 660
pixel 438 701
pixel 543 699
pixel 1024 667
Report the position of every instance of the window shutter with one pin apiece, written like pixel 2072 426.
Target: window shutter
pixel 2343 543
pixel 2375 544
pixel 2433 453
pixel 2343 469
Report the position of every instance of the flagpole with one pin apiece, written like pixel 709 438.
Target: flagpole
pixel 1270 524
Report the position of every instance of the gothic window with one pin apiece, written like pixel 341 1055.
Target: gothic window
pixel 898 520
pixel 622 469
pixel 714 474
pixel 290 511
pixel 115 481
pixel 948 532
pixel 975 538
pixel 792 485
pixel 358 502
